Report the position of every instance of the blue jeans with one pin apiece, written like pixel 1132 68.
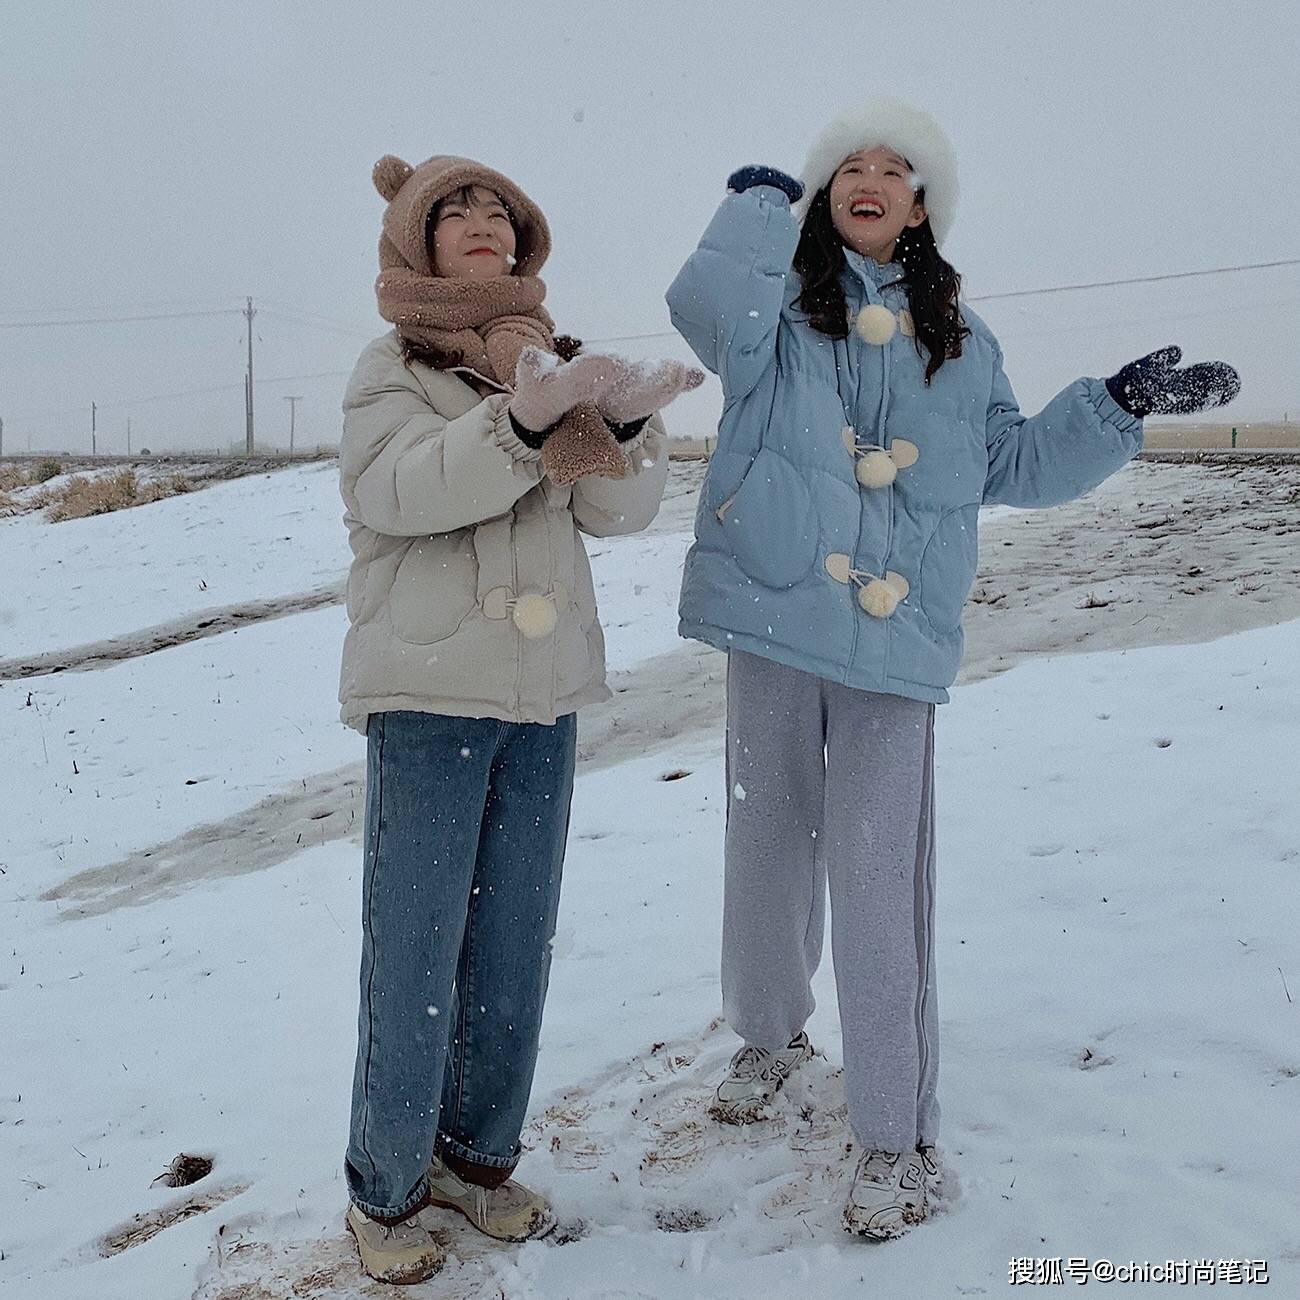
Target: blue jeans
pixel 466 821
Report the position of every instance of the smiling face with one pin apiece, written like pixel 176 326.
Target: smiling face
pixel 873 200
pixel 472 236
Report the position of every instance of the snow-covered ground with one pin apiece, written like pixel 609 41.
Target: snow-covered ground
pixel 266 538
pixel 252 538
pixel 1117 949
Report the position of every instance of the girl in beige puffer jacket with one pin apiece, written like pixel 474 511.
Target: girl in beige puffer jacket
pixel 472 460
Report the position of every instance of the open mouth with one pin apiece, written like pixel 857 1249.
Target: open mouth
pixel 866 209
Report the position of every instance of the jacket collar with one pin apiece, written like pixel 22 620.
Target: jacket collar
pixel 869 272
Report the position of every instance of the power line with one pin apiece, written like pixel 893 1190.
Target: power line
pixel 190 392
pixel 306 316
pixel 635 338
pixel 301 317
pixel 311 315
pixel 1034 293
pixel 109 307
pixel 1090 327
pixel 1138 279
pixel 318 324
pixel 111 320
pixel 329 323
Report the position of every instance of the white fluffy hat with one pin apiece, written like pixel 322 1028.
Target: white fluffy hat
pixel 904 127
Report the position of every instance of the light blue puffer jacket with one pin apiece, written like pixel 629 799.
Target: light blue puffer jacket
pixel 787 538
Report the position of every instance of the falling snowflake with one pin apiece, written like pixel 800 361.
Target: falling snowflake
pixel 739 792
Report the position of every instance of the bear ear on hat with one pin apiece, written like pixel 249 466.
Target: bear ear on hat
pixel 390 175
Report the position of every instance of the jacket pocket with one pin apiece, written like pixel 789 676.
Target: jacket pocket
pixel 770 522
pixel 948 566
pixel 435 587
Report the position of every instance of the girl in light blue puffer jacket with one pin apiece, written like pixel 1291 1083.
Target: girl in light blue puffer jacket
pixel 866 418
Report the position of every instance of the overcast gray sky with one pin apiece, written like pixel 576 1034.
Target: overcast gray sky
pixel 167 157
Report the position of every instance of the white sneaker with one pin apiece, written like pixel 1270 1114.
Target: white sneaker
pixel 754 1078
pixel 395 1252
pixel 890 1192
pixel 511 1212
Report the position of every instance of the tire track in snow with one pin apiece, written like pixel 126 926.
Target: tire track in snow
pixel 1169 555
pixel 654 704
pixel 162 636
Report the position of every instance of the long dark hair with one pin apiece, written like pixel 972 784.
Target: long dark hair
pixel 566 348
pixel 932 283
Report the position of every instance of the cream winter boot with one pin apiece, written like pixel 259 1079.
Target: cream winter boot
pixel 395 1252
pixel 511 1212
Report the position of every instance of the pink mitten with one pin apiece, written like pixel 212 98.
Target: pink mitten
pixel 640 388
pixel 546 387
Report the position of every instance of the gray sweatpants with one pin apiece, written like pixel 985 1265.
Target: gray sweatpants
pixel 824 780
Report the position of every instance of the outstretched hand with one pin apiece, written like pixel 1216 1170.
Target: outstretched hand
pixel 1153 385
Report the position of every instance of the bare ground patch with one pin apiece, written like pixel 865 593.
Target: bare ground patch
pixel 143 1227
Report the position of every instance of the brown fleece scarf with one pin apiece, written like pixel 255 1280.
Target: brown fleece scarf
pixel 485 323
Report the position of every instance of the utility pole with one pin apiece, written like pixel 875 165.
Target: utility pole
pixel 249 313
pixel 293 408
pixel 128 435
pixel 2 436
pixel 93 451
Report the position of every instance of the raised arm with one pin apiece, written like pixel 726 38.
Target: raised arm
pixel 726 301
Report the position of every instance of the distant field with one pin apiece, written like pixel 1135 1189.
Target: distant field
pixel 1159 437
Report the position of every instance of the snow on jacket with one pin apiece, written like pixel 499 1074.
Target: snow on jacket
pixel 857 579
pixel 470 593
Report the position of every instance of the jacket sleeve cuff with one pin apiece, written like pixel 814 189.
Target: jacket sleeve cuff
pixel 503 430
pixel 772 194
pixel 627 433
pixel 1109 411
pixel 635 447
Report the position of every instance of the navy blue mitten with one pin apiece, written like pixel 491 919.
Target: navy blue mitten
pixel 740 181
pixel 1153 385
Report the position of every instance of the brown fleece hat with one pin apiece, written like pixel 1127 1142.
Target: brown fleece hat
pixel 412 191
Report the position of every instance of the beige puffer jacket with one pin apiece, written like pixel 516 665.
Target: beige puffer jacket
pixel 470 593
